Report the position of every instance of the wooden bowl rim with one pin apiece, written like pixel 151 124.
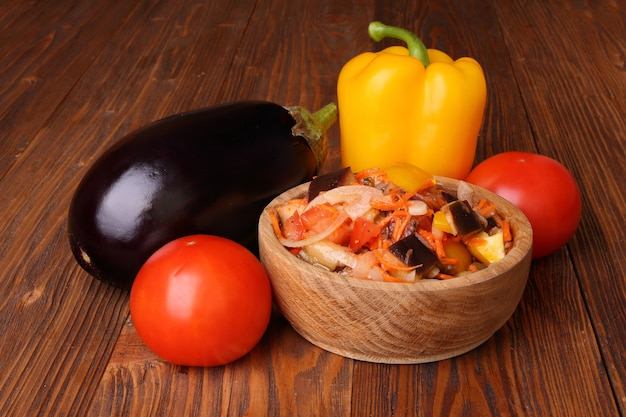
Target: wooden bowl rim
pixel 520 224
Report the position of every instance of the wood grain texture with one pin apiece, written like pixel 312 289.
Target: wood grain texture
pixel 43 50
pixel 582 89
pixel 76 75
pixel 282 375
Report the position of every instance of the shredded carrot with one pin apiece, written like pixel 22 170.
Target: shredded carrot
pixel 437 244
pixel 371 172
pixel 387 264
pixel 407 196
pixel 451 238
pixel 477 241
pixel 399 216
pixel 275 223
pixel 441 253
pixel 396 203
pixel 387 277
pixel 506 229
pixel 390 278
pixel 385 221
pixel 401 225
pixel 449 261
pixel 485 208
pixel 428 237
pixel 434 201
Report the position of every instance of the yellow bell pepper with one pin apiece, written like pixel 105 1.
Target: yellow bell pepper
pixel 409 177
pixel 487 249
pixel 412 105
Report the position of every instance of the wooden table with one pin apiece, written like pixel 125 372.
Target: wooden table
pixel 76 75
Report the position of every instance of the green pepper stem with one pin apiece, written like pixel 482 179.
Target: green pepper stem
pixel 313 127
pixel 417 49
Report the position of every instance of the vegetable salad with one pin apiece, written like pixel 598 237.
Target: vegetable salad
pixel 396 224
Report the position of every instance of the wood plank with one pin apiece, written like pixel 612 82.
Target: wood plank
pixel 283 375
pixel 49 338
pixel 582 91
pixel 43 47
pixel 65 321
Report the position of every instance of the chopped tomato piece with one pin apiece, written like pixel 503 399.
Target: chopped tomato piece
pixel 363 231
pixel 319 218
pixel 292 227
pixel 341 235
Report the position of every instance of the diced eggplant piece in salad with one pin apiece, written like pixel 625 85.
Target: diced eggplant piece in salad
pixel 416 253
pixel 462 218
pixel 366 226
pixel 329 181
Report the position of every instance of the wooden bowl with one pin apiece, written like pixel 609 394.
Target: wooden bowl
pixel 384 322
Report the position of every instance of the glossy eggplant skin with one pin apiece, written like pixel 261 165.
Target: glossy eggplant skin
pixel 207 171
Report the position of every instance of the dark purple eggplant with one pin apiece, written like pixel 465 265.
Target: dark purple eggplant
pixel 465 219
pixel 413 252
pixel 342 176
pixel 210 171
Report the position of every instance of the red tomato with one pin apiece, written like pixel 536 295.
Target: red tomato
pixel 542 188
pixel 201 301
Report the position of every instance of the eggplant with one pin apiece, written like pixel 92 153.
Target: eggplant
pixel 413 252
pixel 210 171
pixel 334 179
pixel 464 217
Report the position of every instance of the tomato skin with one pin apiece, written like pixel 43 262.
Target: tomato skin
pixel 541 187
pixel 201 301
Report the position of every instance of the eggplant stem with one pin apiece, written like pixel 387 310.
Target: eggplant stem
pixel 313 127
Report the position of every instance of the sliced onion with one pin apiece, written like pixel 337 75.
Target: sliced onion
pixel 465 192
pixel 286 210
pixel 328 254
pixel 450 220
pixel 417 207
pixel 322 235
pixel 408 276
pixel 355 197
pixel 437 234
pixel 364 263
pixel 375 274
